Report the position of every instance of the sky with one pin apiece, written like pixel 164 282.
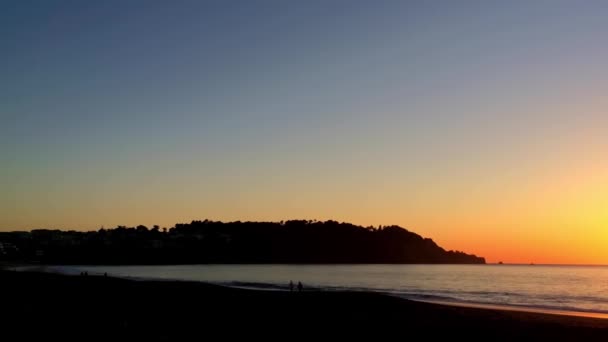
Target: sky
pixel 479 124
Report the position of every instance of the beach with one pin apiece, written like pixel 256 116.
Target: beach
pixel 44 305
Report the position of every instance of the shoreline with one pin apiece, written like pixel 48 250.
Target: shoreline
pixel 545 311
pixel 168 310
pixel 276 288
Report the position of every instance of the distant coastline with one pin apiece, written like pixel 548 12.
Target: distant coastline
pixel 209 242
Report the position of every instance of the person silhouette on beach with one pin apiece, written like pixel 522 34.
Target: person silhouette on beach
pixel 300 286
pixel 290 286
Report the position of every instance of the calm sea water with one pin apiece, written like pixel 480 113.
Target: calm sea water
pixel 569 288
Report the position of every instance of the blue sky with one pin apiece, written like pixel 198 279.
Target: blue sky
pixel 376 112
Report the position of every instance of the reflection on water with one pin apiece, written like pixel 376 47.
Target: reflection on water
pixel 573 288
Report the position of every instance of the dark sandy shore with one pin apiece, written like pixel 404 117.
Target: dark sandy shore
pixel 39 306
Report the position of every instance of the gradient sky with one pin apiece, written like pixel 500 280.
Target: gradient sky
pixel 480 124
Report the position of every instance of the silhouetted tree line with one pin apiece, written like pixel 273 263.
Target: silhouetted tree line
pixel 296 241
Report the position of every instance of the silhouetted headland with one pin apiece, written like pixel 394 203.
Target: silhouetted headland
pixel 296 241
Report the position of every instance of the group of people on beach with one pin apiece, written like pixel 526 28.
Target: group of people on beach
pixel 291 286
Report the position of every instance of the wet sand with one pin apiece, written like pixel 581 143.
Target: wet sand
pixel 49 306
pixel 523 309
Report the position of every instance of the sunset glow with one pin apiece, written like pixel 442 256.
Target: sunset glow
pixel 482 127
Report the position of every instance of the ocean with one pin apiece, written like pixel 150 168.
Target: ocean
pixel 571 289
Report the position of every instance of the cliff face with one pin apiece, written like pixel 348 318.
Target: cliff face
pixel 296 241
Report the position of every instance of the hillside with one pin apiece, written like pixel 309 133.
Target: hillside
pixel 296 241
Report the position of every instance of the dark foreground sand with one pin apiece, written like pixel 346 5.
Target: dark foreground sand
pixel 48 307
